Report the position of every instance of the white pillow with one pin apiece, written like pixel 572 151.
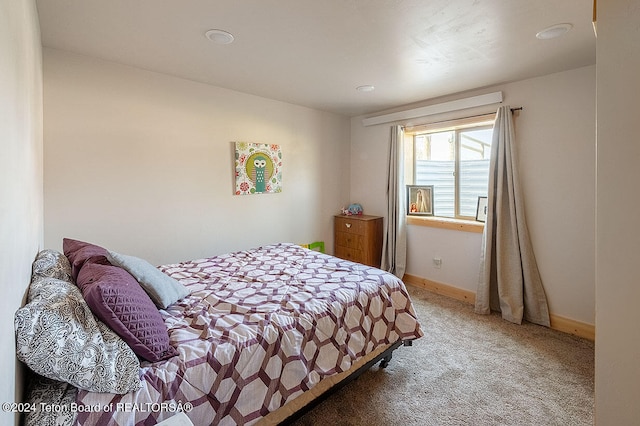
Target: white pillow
pixel 160 287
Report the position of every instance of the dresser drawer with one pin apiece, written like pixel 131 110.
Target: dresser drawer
pixel 354 241
pixel 349 254
pixel 345 224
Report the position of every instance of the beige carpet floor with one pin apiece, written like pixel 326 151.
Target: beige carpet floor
pixel 470 369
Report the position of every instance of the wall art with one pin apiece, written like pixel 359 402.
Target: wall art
pixel 258 168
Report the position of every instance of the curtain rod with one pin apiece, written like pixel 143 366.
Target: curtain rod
pixel 416 126
pixel 478 115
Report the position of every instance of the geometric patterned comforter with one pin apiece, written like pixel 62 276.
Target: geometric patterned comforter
pixel 259 328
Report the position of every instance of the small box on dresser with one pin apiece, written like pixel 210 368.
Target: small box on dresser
pixel 358 238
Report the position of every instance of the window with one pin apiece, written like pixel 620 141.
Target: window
pixel 454 158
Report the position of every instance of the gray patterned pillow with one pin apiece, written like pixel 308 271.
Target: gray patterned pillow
pixel 58 337
pixel 51 264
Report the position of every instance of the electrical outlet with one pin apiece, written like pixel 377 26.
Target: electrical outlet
pixel 437 262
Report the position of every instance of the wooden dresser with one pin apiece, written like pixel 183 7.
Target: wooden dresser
pixel 358 238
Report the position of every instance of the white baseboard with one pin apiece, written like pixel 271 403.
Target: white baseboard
pixel 560 323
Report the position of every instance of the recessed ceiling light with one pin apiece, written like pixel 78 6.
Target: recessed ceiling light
pixel 365 88
pixel 219 36
pixel 554 31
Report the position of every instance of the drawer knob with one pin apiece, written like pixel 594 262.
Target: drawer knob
pixel 348 225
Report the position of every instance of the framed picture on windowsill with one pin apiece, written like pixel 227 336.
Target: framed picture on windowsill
pixel 481 211
pixel 420 200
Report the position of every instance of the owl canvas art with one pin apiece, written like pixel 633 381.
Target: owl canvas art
pixel 258 168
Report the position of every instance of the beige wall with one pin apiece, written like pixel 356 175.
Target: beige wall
pixel 556 151
pixel 142 163
pixel 20 176
pixel 134 97
pixel 618 234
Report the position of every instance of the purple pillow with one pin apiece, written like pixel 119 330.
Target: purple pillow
pixel 116 298
pixel 78 252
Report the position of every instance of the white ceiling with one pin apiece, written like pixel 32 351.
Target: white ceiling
pixel 316 52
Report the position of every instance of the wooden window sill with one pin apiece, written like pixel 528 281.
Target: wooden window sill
pixel 447 223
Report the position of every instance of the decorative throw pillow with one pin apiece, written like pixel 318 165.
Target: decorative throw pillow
pixel 51 264
pixel 58 337
pixel 162 289
pixel 79 252
pixel 116 298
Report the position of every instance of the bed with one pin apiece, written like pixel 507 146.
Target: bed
pixel 252 337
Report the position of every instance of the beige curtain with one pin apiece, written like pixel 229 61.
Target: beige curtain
pixel 394 246
pixel 509 279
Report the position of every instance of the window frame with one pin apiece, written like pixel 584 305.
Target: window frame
pixel 484 121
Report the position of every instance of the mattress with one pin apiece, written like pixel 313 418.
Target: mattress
pixel 262 332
